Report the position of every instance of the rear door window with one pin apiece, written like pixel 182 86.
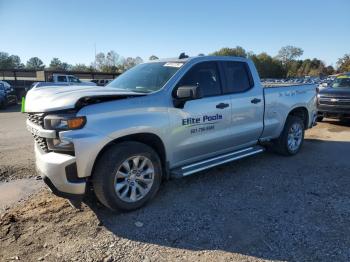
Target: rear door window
pixel 204 75
pixel 237 76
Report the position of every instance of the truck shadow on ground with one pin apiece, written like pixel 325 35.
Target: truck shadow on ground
pixel 268 206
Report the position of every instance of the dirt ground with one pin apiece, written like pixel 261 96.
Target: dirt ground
pixel 16 146
pixel 264 208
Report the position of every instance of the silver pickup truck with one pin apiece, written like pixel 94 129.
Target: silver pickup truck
pixel 62 80
pixel 161 119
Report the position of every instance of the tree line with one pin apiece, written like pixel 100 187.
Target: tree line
pixel 111 62
pixel 285 65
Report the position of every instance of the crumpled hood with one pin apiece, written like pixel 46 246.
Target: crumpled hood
pixel 53 98
pixel 45 84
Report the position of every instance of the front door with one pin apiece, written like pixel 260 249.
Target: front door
pixel 202 127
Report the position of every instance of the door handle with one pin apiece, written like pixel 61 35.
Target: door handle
pixel 256 100
pixel 222 105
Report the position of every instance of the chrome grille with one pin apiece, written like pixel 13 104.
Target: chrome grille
pixel 41 142
pixel 37 119
pixel 332 101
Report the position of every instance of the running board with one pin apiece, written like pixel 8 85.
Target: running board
pixel 215 161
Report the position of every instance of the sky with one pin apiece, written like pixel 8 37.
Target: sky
pixel 70 29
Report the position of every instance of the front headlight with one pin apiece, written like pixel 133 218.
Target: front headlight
pixel 64 122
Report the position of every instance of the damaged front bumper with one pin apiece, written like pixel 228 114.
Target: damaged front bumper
pixel 59 172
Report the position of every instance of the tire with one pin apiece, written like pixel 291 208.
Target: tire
pixel 3 104
pixel 281 144
pixel 319 118
pixel 110 188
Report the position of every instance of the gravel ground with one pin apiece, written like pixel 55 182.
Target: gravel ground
pixel 264 208
pixel 16 146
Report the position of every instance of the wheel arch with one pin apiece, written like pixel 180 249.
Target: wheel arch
pixel 150 139
pixel 302 113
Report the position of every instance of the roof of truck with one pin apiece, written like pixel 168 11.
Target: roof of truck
pixel 184 60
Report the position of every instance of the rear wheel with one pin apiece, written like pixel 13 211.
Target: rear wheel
pixel 291 138
pixel 127 176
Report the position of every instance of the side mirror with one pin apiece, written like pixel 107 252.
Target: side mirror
pixel 324 84
pixel 185 93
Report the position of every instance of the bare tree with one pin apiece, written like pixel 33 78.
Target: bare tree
pixel 289 53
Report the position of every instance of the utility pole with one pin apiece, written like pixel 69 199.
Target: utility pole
pixel 95 58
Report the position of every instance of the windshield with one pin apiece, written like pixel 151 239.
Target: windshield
pixel 146 78
pixel 341 82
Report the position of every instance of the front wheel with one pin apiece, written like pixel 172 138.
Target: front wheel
pixel 127 175
pixel 291 138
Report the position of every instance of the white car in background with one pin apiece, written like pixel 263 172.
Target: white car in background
pixel 63 80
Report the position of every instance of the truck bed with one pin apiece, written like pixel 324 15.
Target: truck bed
pixel 274 85
pixel 279 100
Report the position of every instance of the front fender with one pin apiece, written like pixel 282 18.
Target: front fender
pixel 106 124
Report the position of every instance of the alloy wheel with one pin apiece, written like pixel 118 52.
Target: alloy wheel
pixel 134 178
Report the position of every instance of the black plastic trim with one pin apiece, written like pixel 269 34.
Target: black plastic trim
pixel 59 193
pixel 72 174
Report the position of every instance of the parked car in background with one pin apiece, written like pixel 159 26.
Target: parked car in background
pixel 101 82
pixel 3 100
pixel 63 80
pixel 334 101
pixel 10 94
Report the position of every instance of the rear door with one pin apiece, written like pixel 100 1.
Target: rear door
pixel 247 102
pixel 202 126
